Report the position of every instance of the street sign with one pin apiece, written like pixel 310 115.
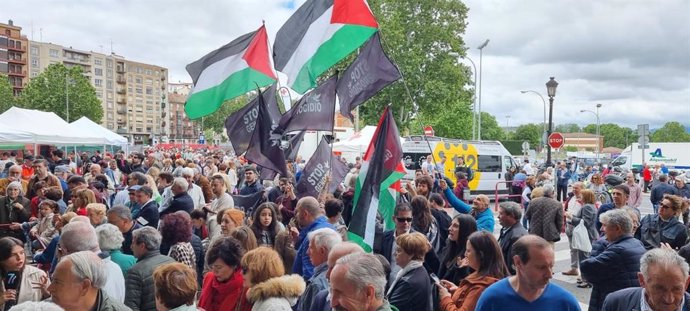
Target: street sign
pixel 556 140
pixel 428 130
pixel 643 140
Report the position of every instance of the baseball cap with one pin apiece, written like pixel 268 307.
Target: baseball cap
pixel 62 169
pixel 134 188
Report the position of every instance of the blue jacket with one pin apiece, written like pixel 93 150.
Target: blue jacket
pixel 180 202
pixel 659 190
pixel 613 269
pixel 302 265
pixel 457 204
pixel 485 219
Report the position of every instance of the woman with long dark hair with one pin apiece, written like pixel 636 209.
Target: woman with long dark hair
pixel 483 255
pixel 19 282
pixel 265 224
pixel 461 228
pixel 424 222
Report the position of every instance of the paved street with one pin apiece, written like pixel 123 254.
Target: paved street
pixel 563 262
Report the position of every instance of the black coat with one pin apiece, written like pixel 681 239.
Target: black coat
pixel 443 222
pixel 180 202
pixel 629 299
pixel 412 292
pixel 613 269
pixel 506 241
pixel 9 214
pixel 149 213
pixel 431 261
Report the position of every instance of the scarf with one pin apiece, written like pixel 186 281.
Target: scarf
pixel 414 264
pixel 217 296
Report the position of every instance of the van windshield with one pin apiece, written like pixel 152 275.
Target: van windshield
pixel 620 161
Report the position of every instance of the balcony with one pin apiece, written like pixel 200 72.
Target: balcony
pixel 163 105
pixel 122 91
pixel 121 80
pixel 122 102
pixel 163 96
pixel 121 121
pixel 122 111
pixel 163 114
pixel 17 73
pixel 163 77
pixel 16 60
pixel 21 48
pixel 120 69
pixel 162 87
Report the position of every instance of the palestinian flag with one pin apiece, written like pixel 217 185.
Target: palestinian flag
pixel 233 70
pixel 381 169
pixel 317 36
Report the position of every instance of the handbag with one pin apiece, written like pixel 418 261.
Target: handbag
pixel 580 238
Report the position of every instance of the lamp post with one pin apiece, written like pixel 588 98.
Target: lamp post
pixel 544 102
pixel 474 85
pixel 479 114
pixel 67 83
pixel 596 114
pixel 551 86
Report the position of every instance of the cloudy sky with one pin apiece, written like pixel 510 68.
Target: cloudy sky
pixel 630 56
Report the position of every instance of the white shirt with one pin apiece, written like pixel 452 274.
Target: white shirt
pixel 197 196
pixel 115 281
pixel 644 306
pixel 528 169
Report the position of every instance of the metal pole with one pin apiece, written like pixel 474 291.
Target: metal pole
pixel 548 146
pixel 543 102
pixel 479 114
pixel 67 95
pixel 598 134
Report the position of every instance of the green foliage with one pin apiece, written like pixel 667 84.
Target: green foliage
pixel 418 36
pixel 670 132
pixel 490 128
pixel 216 120
pixel 529 132
pixel 7 99
pixel 614 135
pixel 49 92
pixel 567 128
pixel 570 148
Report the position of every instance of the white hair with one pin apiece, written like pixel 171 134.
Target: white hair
pixel 364 269
pixel 109 237
pixel 180 182
pixel 87 265
pixel 79 236
pixel 36 306
pixel 324 237
pixel 187 172
pixel 618 217
pixel 14 185
pixel 665 258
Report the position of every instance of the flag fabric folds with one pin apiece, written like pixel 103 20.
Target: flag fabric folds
pixel 231 71
pixel 293 145
pixel 381 168
pixel 248 202
pixel 314 111
pixel 321 164
pixel 369 73
pixel 264 146
pixel 240 125
pixel 318 35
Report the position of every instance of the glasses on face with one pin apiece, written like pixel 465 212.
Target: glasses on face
pixel 245 270
pixel 665 206
pixel 404 219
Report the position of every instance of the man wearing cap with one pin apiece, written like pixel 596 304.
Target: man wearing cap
pixel 63 172
pixel 27 167
pixel 14 174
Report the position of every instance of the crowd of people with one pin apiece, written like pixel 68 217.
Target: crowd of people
pixel 179 231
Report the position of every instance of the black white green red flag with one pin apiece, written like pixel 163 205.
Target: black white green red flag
pixel 233 70
pixel 318 35
pixel 381 169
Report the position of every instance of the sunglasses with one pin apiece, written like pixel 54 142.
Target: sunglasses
pixel 665 206
pixel 403 219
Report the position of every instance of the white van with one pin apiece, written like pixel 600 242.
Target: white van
pixel 488 159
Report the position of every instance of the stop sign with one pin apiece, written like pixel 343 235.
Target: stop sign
pixel 556 140
pixel 428 130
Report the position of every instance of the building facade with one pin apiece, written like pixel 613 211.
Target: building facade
pixel 133 95
pixel 13 55
pixel 583 141
pixel 182 130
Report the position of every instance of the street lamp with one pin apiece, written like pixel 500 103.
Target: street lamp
pixel 474 85
pixel 479 115
pixel 597 115
pixel 551 91
pixel 68 81
pixel 544 102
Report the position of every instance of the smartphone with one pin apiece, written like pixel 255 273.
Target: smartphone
pixel 435 278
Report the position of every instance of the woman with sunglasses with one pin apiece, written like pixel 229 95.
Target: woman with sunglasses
pixel 597 184
pixel 222 287
pixel 664 227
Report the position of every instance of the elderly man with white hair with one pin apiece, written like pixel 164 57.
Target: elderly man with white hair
pixel 194 191
pixel 110 240
pixel 663 279
pixel 358 282
pixel 321 241
pixel 181 201
pixel 79 235
pixel 79 281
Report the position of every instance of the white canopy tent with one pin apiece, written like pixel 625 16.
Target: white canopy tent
pixel 85 124
pixel 357 144
pixel 43 128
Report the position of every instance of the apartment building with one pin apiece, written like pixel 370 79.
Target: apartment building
pixel 182 130
pixel 13 55
pixel 133 95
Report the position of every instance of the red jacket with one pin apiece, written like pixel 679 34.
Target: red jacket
pixel 646 174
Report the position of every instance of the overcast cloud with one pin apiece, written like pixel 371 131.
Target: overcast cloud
pixel 633 57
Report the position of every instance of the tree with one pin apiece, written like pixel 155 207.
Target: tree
pixel 7 99
pixel 567 128
pixel 490 128
pixel 49 91
pixel 216 120
pixel 671 132
pixel 529 132
pixel 614 135
pixel 418 36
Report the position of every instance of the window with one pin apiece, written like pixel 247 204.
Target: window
pixel 138 80
pixel 98 82
pixel 489 163
pixel 34 50
pixel 109 63
pixel 98 61
pixel 149 91
pixel 110 104
pixel 99 94
pixel 34 74
pixel 139 90
pixel 109 84
pixel 53 53
pixel 109 73
pixel 98 72
pixel 149 82
pixel 34 62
